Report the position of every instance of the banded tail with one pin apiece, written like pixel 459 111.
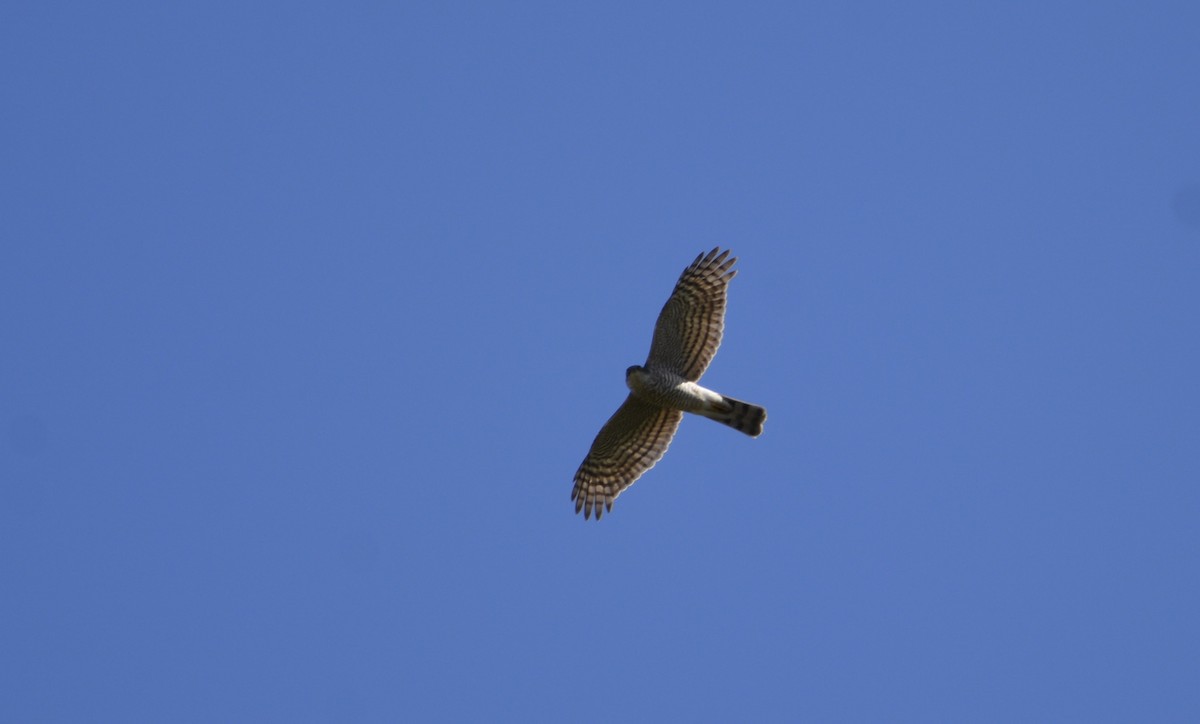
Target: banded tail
pixel 741 416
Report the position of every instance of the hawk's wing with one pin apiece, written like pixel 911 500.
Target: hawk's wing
pixel 689 327
pixel 633 439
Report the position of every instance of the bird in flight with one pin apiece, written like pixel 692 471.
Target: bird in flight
pixel 686 337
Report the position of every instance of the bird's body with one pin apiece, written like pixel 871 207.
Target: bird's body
pixel 667 389
pixel 686 337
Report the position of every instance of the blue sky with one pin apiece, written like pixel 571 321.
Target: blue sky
pixel 309 313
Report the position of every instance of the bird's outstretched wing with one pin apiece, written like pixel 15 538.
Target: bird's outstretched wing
pixel 690 325
pixel 633 439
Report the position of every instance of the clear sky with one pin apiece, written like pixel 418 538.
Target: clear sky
pixel 309 312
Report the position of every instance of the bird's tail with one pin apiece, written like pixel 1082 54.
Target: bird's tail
pixel 741 416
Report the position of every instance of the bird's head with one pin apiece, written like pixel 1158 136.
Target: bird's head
pixel 635 369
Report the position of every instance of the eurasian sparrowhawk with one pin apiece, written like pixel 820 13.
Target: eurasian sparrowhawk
pixel 686 337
